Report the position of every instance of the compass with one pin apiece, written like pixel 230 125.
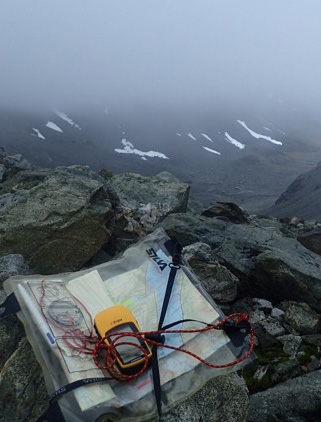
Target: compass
pixel 65 313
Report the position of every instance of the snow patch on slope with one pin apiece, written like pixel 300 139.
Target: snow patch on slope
pixel 212 151
pixel 67 119
pixel 39 134
pixel 130 149
pixel 191 136
pixel 53 126
pixel 206 137
pixel 233 141
pixel 257 135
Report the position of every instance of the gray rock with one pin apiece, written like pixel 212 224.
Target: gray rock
pixel 247 340
pixel 11 265
pixel 296 398
pixel 194 206
pixel 198 251
pixel 262 304
pixel 163 193
pixel 14 163
pixel 302 318
pixel 313 339
pixel 266 341
pixel 284 370
pixel 144 202
pixel 23 395
pixel 219 282
pixel 226 211
pixel 277 314
pixel 59 224
pixel 268 264
pixel 314 364
pixel 311 240
pixel 272 327
pixel 257 316
pixel 290 343
pixel 243 305
pixel 260 372
pixel 221 399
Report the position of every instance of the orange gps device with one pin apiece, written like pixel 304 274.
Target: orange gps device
pixel 118 319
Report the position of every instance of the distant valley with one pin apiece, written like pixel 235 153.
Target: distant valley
pixel 248 156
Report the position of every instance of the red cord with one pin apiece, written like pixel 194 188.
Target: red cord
pixel 81 342
pixel 111 353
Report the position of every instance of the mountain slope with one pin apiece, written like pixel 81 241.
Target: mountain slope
pixel 301 199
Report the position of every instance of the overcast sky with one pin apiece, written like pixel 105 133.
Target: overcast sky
pixel 175 51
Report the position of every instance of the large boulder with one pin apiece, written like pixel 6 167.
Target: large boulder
pixel 269 264
pixel 227 211
pixel 298 399
pixel 164 194
pixel 144 202
pixel 60 223
pixel 311 240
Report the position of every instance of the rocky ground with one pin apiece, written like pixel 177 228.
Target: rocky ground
pixel 68 218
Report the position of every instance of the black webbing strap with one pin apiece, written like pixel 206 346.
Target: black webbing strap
pixel 175 249
pixel 10 306
pixel 76 384
pixel 52 414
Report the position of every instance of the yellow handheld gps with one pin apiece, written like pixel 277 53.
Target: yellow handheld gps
pixel 119 319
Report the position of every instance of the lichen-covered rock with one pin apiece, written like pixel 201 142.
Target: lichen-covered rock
pixel 302 318
pixel 198 251
pixel 23 395
pixel 144 202
pixel 59 224
pixel 218 281
pixel 148 200
pixel 272 327
pixel 223 398
pixel 290 343
pixel 295 399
